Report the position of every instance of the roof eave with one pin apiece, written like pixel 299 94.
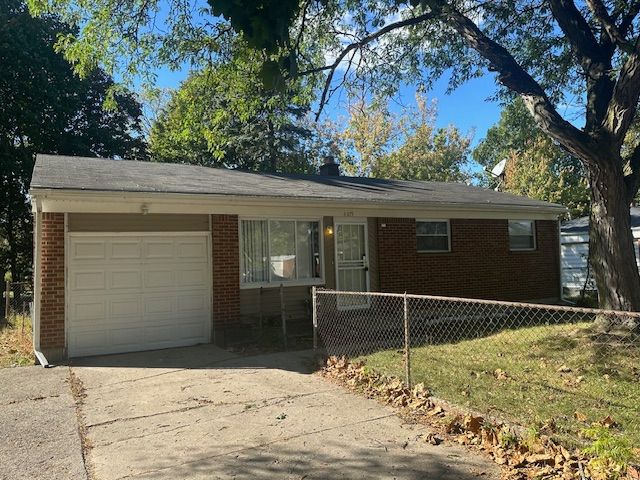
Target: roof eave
pixel 60 193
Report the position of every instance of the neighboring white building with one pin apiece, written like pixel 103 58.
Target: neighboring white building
pixel 574 253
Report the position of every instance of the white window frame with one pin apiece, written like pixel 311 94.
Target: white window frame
pixel 533 232
pixel 289 283
pixel 438 220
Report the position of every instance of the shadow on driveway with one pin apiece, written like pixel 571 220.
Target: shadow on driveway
pixel 201 412
pixel 204 357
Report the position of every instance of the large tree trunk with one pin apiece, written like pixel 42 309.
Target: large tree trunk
pixel 612 252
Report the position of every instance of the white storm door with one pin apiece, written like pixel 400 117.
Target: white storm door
pixel 352 264
pixel 134 292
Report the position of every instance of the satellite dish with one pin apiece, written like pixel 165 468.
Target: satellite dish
pixel 498 170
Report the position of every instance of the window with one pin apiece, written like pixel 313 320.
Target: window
pixel 433 235
pixel 279 251
pixel 522 235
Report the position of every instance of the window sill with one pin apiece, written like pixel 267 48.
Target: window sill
pixel 434 251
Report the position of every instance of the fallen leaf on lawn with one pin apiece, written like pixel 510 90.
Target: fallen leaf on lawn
pixel 633 472
pixel 608 422
pixel 579 416
pixel 437 411
pixel 500 374
pixel 433 439
pixel 564 369
pixel 541 458
pixel 490 437
pixel 473 424
pixel 454 426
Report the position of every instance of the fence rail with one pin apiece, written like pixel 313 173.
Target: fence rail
pixel 524 361
pixel 17 301
pixel 356 323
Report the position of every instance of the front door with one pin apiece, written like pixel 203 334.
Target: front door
pixel 352 265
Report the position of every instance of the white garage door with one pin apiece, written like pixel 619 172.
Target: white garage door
pixel 137 292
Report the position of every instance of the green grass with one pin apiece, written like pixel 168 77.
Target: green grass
pixel 603 380
pixel 15 343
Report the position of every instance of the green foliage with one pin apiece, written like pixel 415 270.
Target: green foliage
pixel 405 146
pixel 48 110
pixel 611 453
pixel 264 23
pixel 536 167
pixel 224 116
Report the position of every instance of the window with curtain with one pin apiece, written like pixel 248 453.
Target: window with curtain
pixel 522 235
pixel 433 236
pixel 279 251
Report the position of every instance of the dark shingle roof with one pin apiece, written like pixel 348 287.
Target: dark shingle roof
pixel 581 225
pixel 96 174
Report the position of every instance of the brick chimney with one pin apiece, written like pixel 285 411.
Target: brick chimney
pixel 329 168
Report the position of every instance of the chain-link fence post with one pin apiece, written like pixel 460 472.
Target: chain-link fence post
pixel 7 301
pixel 407 345
pixel 314 300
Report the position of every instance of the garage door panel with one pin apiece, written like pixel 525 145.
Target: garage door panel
pixel 89 341
pixel 156 249
pixel 125 250
pixel 88 309
pixel 192 303
pixel 88 250
pixel 125 307
pixel 190 250
pixel 126 337
pixel 138 292
pixel 121 278
pixel 158 305
pixel 191 278
pixel 88 280
pixel 158 278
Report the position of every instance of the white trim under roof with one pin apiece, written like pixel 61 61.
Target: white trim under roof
pixel 79 201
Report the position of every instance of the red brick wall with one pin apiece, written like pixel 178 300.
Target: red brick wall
pixel 480 264
pixel 52 282
pixel 226 269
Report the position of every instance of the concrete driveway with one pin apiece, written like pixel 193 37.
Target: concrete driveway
pixel 38 428
pixel 201 412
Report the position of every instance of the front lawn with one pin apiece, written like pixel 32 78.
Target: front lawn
pixel 548 377
pixel 16 348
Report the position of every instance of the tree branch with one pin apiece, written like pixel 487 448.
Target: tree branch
pixel 582 39
pixel 594 57
pixel 514 77
pixel 629 17
pixel 360 43
pixel 601 14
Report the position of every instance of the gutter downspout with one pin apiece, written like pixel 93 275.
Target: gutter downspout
pixel 37 281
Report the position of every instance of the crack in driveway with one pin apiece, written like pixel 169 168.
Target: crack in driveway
pixel 258 446
pixel 278 399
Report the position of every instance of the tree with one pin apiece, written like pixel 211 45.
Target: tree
pixel 536 173
pixel 47 109
pixel 224 116
pixel 545 51
pixel 404 145
pixel 535 166
pixel 370 133
pixel 426 152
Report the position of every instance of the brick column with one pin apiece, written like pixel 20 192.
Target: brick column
pixel 225 251
pixel 52 340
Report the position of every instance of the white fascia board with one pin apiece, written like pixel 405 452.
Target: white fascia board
pixel 70 201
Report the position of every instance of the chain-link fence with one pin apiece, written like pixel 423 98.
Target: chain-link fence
pixel 17 302
pixel 530 361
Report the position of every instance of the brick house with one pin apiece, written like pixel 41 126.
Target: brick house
pixel 141 255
